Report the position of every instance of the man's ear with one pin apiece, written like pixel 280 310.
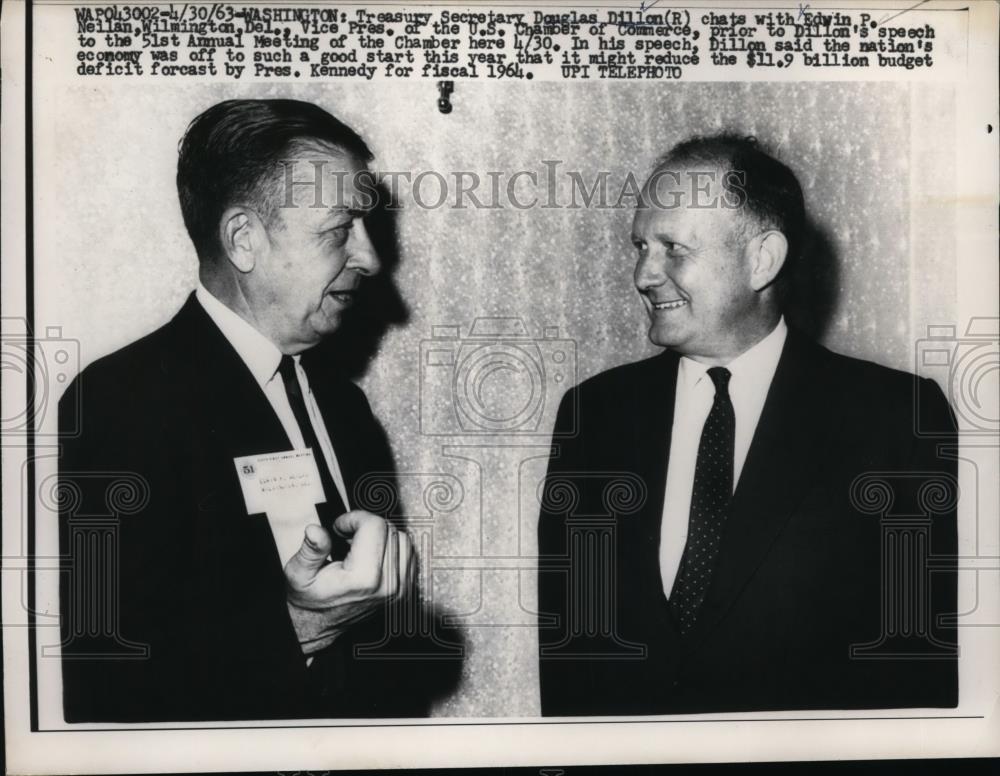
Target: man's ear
pixel 768 251
pixel 243 236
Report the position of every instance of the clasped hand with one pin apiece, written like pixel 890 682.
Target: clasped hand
pixel 325 599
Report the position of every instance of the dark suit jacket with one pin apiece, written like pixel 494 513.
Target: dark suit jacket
pixel 814 560
pixel 173 605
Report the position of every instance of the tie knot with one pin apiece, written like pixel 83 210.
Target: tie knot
pixel 720 378
pixel 286 368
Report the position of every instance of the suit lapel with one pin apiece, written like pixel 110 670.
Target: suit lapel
pixel 236 413
pixel 783 458
pixel 650 442
pixel 234 419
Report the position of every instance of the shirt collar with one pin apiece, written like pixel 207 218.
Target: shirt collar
pixel 758 364
pixel 258 352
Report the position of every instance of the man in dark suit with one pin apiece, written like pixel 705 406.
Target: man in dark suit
pixel 746 521
pixel 193 592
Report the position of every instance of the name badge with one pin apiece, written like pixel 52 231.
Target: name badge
pixel 279 483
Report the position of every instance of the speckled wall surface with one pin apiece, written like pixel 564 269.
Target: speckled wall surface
pixel 113 262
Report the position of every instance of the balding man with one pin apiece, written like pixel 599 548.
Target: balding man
pixel 747 570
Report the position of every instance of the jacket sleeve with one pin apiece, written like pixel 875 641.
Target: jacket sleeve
pixel 118 600
pixel 562 683
pixel 935 454
pixel 909 655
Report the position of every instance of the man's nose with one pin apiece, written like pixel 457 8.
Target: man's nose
pixel 363 256
pixel 649 272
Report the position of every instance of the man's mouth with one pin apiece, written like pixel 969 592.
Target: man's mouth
pixel 344 297
pixel 669 304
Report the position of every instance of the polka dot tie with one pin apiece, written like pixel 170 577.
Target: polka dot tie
pixel 713 488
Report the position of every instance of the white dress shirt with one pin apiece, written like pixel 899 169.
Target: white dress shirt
pixel 752 373
pixel 262 358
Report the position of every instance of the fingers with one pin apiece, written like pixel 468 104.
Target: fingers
pixel 363 564
pixel 380 565
pixel 413 568
pixel 303 566
pixel 348 523
pixel 398 565
pixel 407 562
pixel 390 565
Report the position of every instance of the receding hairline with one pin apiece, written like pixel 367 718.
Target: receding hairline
pixel 745 223
pixel 684 167
pixel 303 151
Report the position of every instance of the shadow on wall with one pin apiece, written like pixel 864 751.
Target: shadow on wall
pixel 411 655
pixel 414 654
pixel 812 285
pixel 379 304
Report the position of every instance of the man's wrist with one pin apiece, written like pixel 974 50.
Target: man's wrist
pixel 312 632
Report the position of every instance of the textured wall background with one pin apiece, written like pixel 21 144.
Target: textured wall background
pixel 114 262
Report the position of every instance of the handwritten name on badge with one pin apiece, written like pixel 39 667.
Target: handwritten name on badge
pixel 276 483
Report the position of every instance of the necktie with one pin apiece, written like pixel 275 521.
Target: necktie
pixel 334 506
pixel 710 495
